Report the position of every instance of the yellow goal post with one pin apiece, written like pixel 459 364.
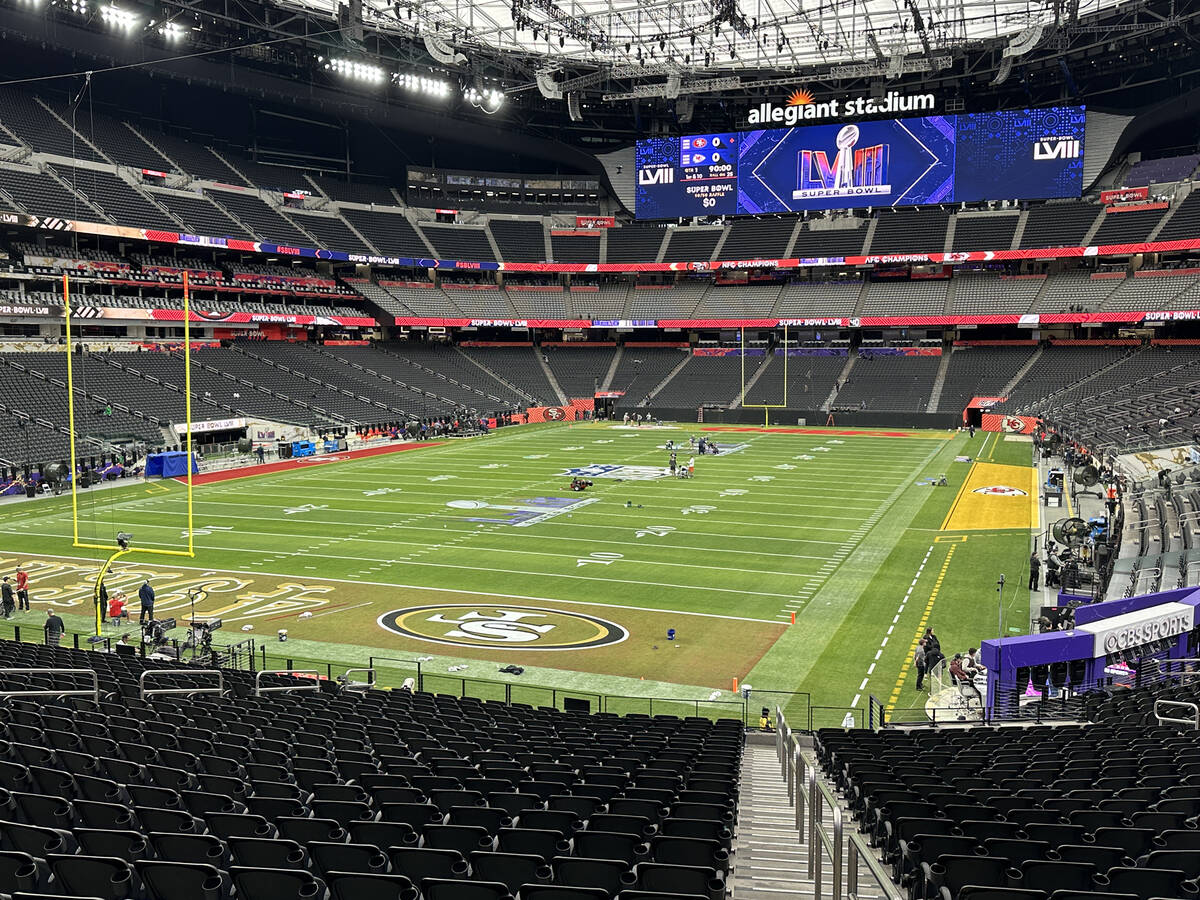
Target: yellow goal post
pixel 118 551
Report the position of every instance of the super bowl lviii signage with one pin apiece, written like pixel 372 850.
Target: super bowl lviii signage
pixel 1027 154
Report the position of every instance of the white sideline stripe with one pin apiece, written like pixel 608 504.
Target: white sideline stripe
pixel 422 587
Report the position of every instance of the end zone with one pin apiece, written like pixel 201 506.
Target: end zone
pixel 995 496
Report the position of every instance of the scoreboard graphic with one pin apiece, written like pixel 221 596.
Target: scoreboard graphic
pixel 1029 154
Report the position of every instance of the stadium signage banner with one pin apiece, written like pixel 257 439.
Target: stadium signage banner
pixel 1125 195
pixel 1126 249
pixel 595 222
pixel 1166 620
pixel 210 425
pixel 801 107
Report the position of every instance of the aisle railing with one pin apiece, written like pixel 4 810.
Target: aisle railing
pixel 847 853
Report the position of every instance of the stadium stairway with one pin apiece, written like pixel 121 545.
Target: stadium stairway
pixel 612 369
pixel 842 380
pixel 558 391
pixel 662 384
pixel 771 862
pixel 1023 371
pixel 939 380
pixel 488 370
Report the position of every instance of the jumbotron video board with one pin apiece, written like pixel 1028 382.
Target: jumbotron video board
pixel 1029 154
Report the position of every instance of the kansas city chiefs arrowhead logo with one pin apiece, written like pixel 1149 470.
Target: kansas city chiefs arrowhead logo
pixel 1000 490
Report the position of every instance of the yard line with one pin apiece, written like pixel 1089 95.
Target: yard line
pixel 421 587
pixel 635 523
pixel 327 612
pixel 591 511
pixel 509 534
pixel 358 538
pixel 331 492
pixel 411 562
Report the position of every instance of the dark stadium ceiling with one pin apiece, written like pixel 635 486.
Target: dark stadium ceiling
pixel 529 67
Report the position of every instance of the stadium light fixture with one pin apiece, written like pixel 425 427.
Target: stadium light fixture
pixel 422 84
pixel 487 99
pixel 172 31
pixel 116 17
pixel 356 70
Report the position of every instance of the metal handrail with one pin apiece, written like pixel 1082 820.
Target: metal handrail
pixel 1172 668
pixel 811 795
pixel 818 795
pixel 144 692
pixel 348 684
pixel 259 690
pixel 859 848
pixel 94 692
pixel 1171 705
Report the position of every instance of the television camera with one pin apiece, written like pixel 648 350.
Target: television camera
pixel 200 634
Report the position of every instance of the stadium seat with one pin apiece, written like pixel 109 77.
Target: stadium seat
pixel 540 842
pixel 182 881
pixel 419 863
pixel 1146 883
pixel 559 892
pixel 608 874
pixel 19 872
pixel 365 858
pixel 276 884
pixel 701 881
pixel 369 886
pixel 613 845
pixel 510 869
pixel 267 853
pixel 442 889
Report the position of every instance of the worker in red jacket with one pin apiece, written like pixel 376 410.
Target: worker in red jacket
pixel 22 588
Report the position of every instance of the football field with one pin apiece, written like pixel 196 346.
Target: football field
pixel 797 560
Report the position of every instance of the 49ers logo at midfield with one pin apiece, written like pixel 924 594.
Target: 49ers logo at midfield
pixel 503 627
pixel 555 414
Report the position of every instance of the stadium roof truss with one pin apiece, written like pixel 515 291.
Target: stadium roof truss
pixel 619 38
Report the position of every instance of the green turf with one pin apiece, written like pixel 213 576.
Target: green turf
pixel 833 535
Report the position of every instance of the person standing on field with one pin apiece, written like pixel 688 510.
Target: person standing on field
pixel 22 588
pixel 919 663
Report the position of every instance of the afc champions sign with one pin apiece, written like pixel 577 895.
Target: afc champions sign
pixel 503 627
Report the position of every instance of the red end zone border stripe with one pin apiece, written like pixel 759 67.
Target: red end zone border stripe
pixel 304 462
pixel 801 430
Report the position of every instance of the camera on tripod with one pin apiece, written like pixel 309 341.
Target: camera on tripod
pixel 154 632
pixel 200 633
